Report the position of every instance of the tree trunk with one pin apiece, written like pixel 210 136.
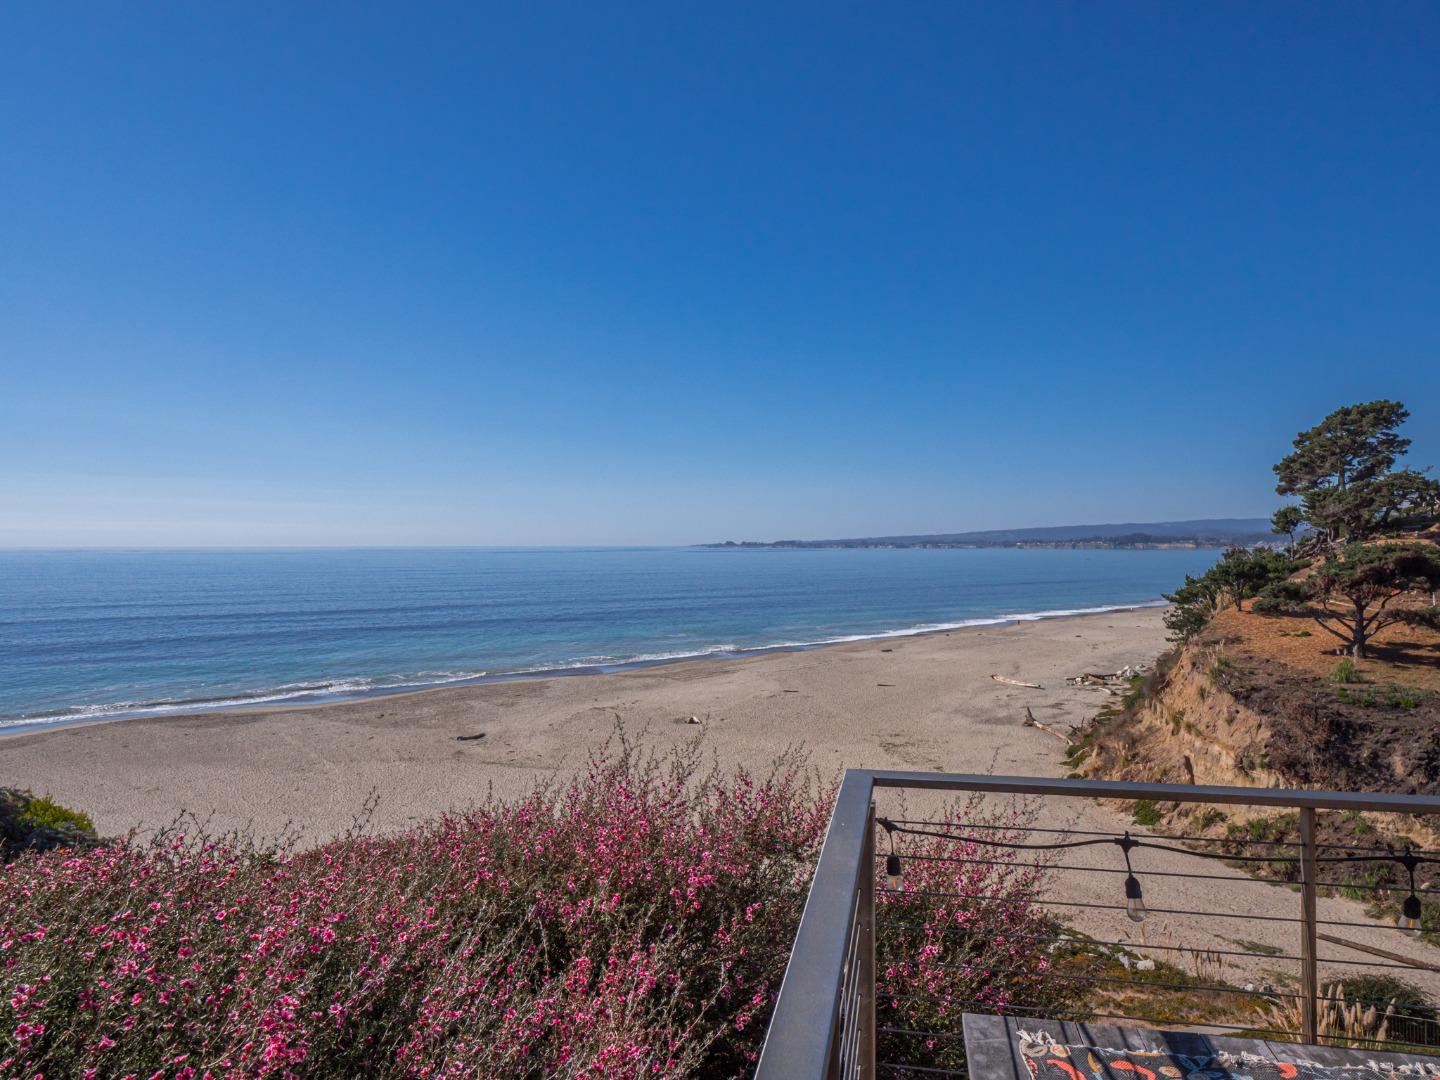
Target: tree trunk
pixel 1360 634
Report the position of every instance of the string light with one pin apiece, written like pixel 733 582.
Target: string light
pixel 1134 895
pixel 1410 909
pixel 892 870
pixel 892 861
pixel 1410 912
pixel 1134 899
pixel 1408 921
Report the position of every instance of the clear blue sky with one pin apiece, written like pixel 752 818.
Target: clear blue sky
pixel 615 273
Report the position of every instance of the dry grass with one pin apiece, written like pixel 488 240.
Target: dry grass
pixel 1407 655
pixel 1339 1023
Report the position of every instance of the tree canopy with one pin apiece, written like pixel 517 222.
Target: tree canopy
pixel 1343 471
pixel 1353 444
pixel 1287 520
pixel 1239 575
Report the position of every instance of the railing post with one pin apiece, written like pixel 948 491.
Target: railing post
pixel 865 949
pixel 1309 975
pixel 801 1042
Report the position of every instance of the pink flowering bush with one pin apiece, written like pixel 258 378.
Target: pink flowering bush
pixel 963 933
pixel 635 922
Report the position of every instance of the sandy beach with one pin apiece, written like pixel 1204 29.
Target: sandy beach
pixel 926 703
pixel 923 702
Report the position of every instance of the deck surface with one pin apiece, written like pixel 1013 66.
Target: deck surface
pixel 1015 1048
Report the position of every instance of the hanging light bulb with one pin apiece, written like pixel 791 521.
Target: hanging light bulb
pixel 1409 920
pixel 1134 899
pixel 892 861
pixel 1410 909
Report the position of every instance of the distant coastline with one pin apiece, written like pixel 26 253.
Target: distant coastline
pixel 1159 536
pixel 1142 543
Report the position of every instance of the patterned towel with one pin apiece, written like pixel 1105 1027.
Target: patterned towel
pixel 1049 1060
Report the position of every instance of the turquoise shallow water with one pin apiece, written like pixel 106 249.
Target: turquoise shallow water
pixel 91 634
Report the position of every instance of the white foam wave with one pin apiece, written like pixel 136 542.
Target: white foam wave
pixel 324 691
pixel 583 663
pixel 962 624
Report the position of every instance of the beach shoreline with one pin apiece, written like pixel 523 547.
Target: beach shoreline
pixel 924 700
pixel 268 701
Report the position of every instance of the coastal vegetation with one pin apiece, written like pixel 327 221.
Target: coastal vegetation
pixel 633 922
pixel 1343 471
pixel 1239 575
pixel 1351 593
pixel 1253 692
pixel 30 822
pixel 1353 505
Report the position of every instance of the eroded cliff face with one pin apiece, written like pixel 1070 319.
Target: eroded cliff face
pixel 1187 728
pixel 1214 712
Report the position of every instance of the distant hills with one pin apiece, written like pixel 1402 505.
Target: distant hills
pixel 1209 532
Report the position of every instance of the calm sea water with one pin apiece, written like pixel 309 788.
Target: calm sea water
pixel 88 634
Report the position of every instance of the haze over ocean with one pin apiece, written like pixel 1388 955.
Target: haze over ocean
pixel 92 634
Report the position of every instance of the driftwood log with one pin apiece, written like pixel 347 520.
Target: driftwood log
pixel 1030 721
pixel 1016 682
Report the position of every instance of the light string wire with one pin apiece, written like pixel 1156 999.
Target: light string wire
pixel 1127 842
pixel 1411 910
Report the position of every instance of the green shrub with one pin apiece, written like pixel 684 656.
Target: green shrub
pixel 45 813
pixel 28 823
pixel 1279 598
pixel 1185 620
pixel 1357 821
pixel 1384 988
pixel 1135 694
pixel 1147 813
pixel 1279 828
pixel 1211 816
pixel 1345 672
pixel 1361 886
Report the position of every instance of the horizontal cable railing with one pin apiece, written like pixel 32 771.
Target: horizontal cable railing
pixel 913 921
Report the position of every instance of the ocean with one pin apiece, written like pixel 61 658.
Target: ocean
pixel 106 634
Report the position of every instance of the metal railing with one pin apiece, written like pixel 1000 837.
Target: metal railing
pixel 830 1016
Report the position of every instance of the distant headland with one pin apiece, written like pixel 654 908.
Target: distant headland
pixel 1212 532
